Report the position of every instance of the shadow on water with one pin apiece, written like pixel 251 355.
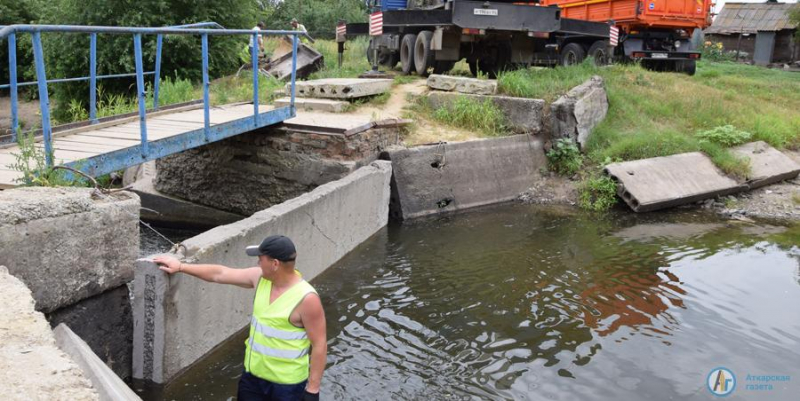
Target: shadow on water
pixel 531 302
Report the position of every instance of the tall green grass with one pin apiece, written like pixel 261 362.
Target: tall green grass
pixel 465 112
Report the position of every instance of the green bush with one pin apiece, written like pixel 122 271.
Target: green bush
pixel 714 51
pixel 471 114
pixel 564 158
pixel 318 16
pixel 726 135
pixel 598 193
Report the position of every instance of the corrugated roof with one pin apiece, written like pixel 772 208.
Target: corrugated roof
pixel 752 17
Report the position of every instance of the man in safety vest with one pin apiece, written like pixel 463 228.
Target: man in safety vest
pixel 287 324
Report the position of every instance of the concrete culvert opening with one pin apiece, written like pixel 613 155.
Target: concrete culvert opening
pixel 444 203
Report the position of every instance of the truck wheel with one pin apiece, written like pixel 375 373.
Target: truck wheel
pixel 599 53
pixel 423 55
pixel 688 67
pixel 572 54
pixel 407 53
pixel 473 68
pixel 441 67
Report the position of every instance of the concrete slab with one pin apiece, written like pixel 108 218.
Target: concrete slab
pixel 178 318
pixel 167 211
pixel 662 182
pixel 108 385
pixel 308 61
pixel 767 164
pixel 345 124
pixel 342 88
pixel 46 232
pixel 447 177
pixel 309 104
pixel 473 86
pixel 31 365
pixel 523 115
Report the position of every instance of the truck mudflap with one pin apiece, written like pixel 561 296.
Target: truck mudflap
pixel 505 16
pixel 663 55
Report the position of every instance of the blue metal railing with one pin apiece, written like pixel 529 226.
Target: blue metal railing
pixel 203 29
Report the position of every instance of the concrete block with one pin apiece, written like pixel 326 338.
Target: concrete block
pixel 170 211
pixel 46 233
pixel 577 113
pixel 325 105
pixel 473 86
pixel 105 323
pixel 767 164
pixel 178 318
pixel 31 365
pixel 524 116
pixel 661 182
pixel 447 177
pixel 108 385
pixel 342 88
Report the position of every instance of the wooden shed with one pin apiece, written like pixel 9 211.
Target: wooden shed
pixel 762 30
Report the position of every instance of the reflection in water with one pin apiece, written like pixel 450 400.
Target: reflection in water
pixel 525 302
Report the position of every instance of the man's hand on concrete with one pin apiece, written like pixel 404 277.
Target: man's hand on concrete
pixel 168 264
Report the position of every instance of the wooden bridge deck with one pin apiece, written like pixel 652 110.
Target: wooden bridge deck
pixel 87 142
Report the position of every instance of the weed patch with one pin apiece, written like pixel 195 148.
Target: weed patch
pixel 726 135
pixel 564 158
pixel 597 193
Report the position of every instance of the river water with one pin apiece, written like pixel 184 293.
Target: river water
pixel 528 302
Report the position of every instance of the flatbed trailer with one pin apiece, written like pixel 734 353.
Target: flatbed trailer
pixel 490 35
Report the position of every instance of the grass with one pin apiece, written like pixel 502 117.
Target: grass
pixel 465 112
pixel 354 60
pixel 658 114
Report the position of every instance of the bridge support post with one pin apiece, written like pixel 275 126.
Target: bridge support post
pixel 44 99
pixel 206 116
pixel 137 49
pixel 93 78
pixel 157 79
pixel 254 59
pixel 294 71
pixel 12 76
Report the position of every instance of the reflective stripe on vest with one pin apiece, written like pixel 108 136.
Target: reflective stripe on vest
pixel 277 350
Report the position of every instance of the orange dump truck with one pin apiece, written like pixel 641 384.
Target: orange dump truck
pixel 658 32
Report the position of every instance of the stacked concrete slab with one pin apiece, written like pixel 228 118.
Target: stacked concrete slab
pixel 31 365
pixel 178 318
pixel 661 182
pixel 342 88
pixel 75 251
pixel 447 177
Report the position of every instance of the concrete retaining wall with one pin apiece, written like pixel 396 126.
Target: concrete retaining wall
pixel 31 366
pixel 178 319
pixel 575 114
pixel 447 177
pixel 522 115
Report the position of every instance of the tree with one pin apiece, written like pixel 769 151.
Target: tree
pixel 18 12
pixel 318 16
pixel 68 54
pixel 794 17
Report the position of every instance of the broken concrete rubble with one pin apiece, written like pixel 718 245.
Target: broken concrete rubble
pixel 577 113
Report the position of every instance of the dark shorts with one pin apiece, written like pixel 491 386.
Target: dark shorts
pixel 252 388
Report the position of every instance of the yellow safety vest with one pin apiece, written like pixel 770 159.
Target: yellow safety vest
pixel 276 350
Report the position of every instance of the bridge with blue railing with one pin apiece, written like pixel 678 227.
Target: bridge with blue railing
pixel 101 146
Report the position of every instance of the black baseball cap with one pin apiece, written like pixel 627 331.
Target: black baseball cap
pixel 275 246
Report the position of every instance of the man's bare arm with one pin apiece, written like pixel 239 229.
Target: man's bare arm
pixel 246 278
pixel 313 317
